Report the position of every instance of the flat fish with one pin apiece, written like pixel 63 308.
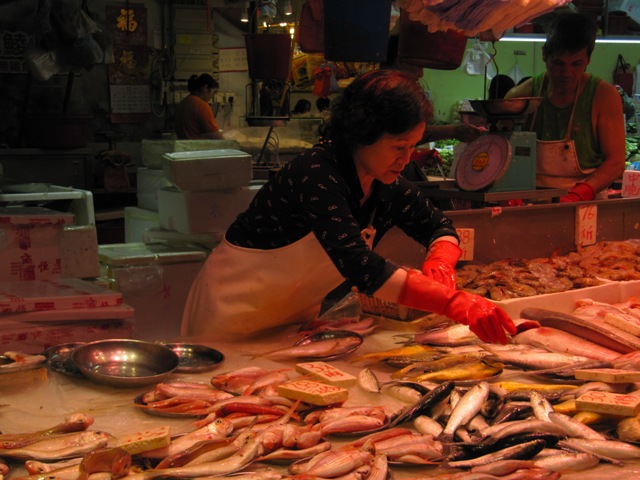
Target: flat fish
pixel 561 341
pixel 598 332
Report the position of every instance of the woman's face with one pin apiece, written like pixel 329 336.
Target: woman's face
pixel 385 159
pixel 565 69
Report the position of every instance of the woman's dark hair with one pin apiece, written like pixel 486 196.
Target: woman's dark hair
pixel 323 103
pixel 302 106
pixel 570 32
pixel 195 82
pixel 377 103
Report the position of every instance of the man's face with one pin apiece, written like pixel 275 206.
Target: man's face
pixel 565 69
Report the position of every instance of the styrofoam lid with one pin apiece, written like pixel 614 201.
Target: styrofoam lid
pixel 21 215
pixel 138 253
pixel 206 154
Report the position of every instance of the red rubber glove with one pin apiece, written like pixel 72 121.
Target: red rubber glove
pixel 441 261
pixel 580 192
pixel 485 319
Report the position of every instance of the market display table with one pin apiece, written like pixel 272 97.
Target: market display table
pixel 39 405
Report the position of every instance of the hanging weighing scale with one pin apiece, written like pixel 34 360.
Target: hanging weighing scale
pixel 503 159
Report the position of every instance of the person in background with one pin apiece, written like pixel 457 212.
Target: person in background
pixel 301 107
pixel 194 118
pixel 315 223
pixel 579 124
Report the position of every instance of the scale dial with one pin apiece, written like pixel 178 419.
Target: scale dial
pixel 483 162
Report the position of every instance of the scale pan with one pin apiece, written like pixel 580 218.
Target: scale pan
pixel 506 107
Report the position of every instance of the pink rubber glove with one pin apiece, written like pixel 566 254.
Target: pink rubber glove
pixel 440 263
pixel 580 192
pixel 485 319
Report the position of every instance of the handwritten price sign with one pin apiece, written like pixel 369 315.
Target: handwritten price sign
pixel 586 224
pixel 327 373
pixel 467 239
pixel 606 402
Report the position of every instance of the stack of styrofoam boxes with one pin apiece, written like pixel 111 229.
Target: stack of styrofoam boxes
pixel 210 188
pixel 39 305
pixel 142 222
pixel 154 279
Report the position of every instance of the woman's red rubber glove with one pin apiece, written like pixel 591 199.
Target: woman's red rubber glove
pixel 485 319
pixel 440 263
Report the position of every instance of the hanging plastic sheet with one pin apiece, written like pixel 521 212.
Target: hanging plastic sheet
pixel 477 60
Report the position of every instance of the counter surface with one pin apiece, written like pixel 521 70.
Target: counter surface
pixel 35 407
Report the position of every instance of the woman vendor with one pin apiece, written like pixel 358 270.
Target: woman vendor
pixel 579 124
pixel 314 224
pixel 194 118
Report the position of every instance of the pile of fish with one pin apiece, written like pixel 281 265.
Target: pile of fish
pixel 443 402
pixel 586 267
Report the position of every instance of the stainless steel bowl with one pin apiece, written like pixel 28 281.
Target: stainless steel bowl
pixel 196 358
pixel 506 107
pixel 59 359
pixel 124 362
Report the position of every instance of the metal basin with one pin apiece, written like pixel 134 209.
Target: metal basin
pixel 506 107
pixel 124 362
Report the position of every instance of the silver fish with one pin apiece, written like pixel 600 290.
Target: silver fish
pixel 467 408
pixel 523 451
pixel 575 428
pixel 609 448
pixel 454 335
pixel 561 461
pixel 496 432
pixel 59 446
pixel 328 345
pixel 426 425
pixel 541 406
pixel 368 381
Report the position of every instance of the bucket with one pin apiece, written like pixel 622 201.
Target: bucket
pixel 268 55
pixel 356 30
pixel 441 50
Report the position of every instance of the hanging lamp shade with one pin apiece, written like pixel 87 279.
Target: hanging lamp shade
pixel 441 50
pixel 356 30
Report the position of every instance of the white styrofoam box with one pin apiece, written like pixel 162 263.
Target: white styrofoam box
pixel 208 169
pixel 154 280
pixel 631 183
pixel 565 302
pixel 137 221
pixel 35 336
pixel 202 212
pixel 30 242
pixel 151 151
pixel 148 182
pixel 57 294
pixel 630 7
pixel 79 252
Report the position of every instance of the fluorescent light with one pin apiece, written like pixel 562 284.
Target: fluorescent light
pixel 245 14
pixel 542 38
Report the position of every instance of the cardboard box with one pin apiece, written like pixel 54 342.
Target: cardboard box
pixel 208 169
pixel 631 183
pixel 155 280
pixel 30 242
pixel 202 212
pixel 148 182
pixel 58 294
pixel 79 252
pixel 137 221
pixel 34 332
pixel 151 151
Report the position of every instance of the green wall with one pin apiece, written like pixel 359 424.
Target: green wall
pixel 448 87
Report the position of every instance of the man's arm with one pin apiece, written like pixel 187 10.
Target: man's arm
pixel 465 132
pixel 609 129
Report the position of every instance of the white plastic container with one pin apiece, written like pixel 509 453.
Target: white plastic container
pixel 208 169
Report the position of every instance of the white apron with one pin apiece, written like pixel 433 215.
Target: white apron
pixel 557 160
pixel 241 291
